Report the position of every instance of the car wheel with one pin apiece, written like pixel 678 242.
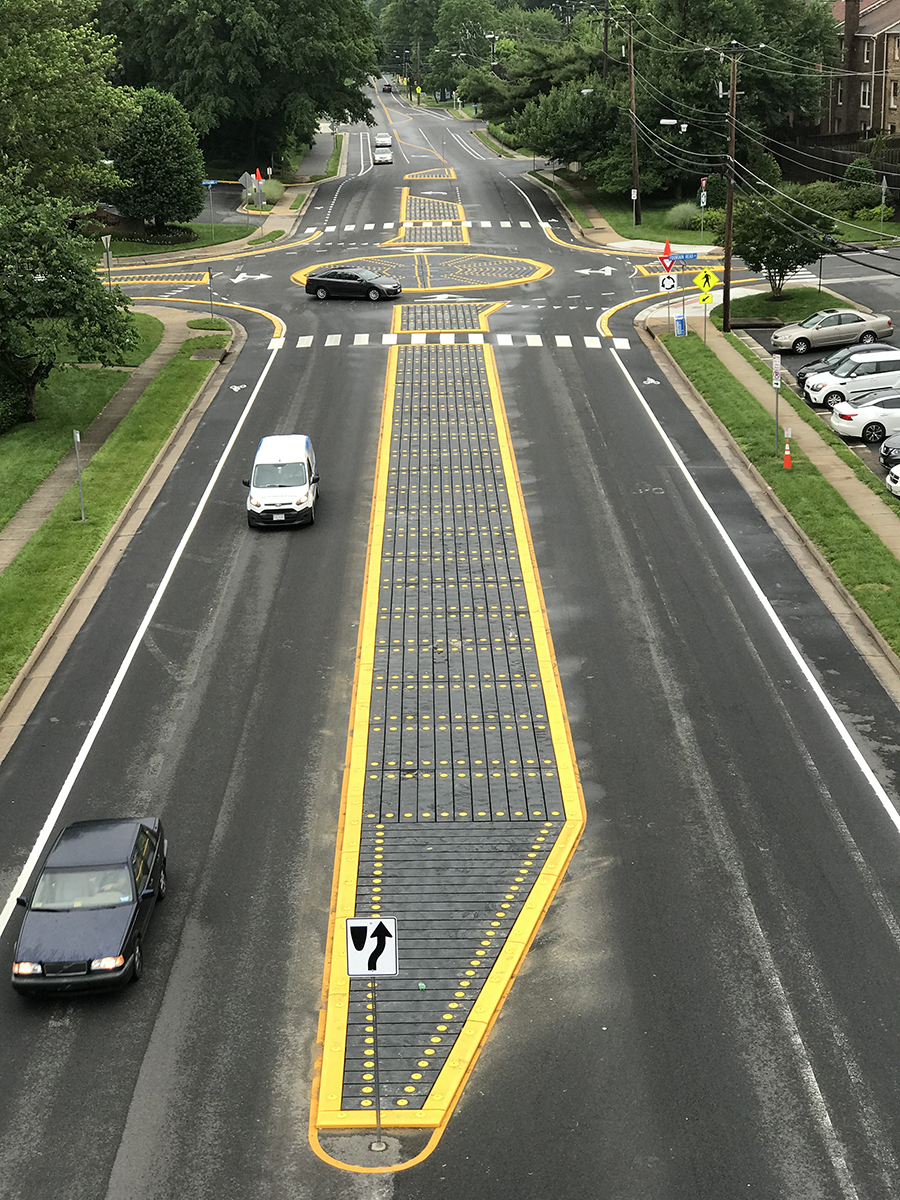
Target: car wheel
pixel 312 515
pixel 874 434
pixel 163 884
pixel 321 293
pixel 250 521
pixel 138 969
pixel 868 338
pixel 801 346
pixel 373 294
pixel 832 398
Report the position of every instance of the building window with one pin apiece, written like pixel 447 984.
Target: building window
pixel 895 89
pixel 867 51
pixel 896 49
pixel 840 91
pixel 892 130
pixel 841 46
pixel 837 124
pixel 865 94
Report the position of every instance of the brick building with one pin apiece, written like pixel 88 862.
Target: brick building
pixel 864 98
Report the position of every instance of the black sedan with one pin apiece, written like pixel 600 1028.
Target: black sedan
pixel 889 453
pixel 352 281
pixel 87 915
pixel 387 87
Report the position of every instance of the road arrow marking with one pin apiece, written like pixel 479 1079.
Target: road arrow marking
pixel 595 270
pixel 240 278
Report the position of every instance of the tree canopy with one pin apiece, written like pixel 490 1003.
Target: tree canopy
pixel 58 111
pixel 51 298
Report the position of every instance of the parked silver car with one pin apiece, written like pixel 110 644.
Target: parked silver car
pixel 832 327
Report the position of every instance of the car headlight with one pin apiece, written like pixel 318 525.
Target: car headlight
pixel 816 387
pixel 108 964
pixel 27 968
pixel 256 503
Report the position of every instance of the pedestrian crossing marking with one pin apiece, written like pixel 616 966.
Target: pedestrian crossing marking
pixel 533 339
pixel 361 339
pixel 304 342
pixel 592 343
pixel 333 339
pixel 368 226
pixel 504 339
pixel 621 343
pixel 562 341
pixel 506 224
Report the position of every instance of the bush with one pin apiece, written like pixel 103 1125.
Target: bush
pixel 874 214
pixel 716 191
pixel 860 171
pixel 830 198
pixel 712 219
pixel 273 190
pixel 505 139
pixel 867 195
pixel 168 235
pixel 682 216
pixel 765 165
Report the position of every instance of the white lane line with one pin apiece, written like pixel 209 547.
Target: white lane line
pixel 333 339
pixel 834 1148
pixel 97 723
pixel 468 149
pixel 305 342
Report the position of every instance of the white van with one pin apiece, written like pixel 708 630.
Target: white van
pixel 854 378
pixel 284 485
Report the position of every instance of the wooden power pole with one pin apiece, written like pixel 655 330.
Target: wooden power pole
pixel 729 200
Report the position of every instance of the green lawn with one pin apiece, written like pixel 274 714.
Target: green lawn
pixel 795 305
pixel 223 234
pixel 865 566
pixel 40 577
pixel 297 202
pixel 850 233
pixel 70 399
pixel 209 323
pixel 266 237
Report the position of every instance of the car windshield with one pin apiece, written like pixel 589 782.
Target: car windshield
pixel 275 475
pixel 845 369
pixel 90 887
pixel 366 274
pixel 811 321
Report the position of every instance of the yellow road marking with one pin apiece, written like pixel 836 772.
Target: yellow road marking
pixel 169 280
pixel 326 1112
pixel 400 310
pixel 540 271
pixel 279 326
pixel 185 263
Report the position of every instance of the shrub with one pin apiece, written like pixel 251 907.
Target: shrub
pixel 867 195
pixel 830 198
pixel 874 214
pixel 716 191
pixel 505 139
pixel 682 216
pixel 765 165
pixel 712 219
pixel 860 171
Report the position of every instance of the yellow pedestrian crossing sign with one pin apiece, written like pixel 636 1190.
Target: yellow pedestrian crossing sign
pixel 705 298
pixel 705 280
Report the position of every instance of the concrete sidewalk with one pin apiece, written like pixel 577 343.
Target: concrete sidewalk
pixel 47 495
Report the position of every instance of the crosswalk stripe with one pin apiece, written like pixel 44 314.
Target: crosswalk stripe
pixel 525 224
pixel 310 229
pixel 330 228
pixel 485 224
pixel 448 339
pixel 621 343
pixel 476 339
pixel 592 343
pixel 304 341
pixel 506 224
pixel 467 224
pixel 563 340
pixel 388 225
pixel 533 339
pixel 368 226
pixel 419 339
pixel 349 228
pixel 333 339
pixel 361 339
pixel 504 339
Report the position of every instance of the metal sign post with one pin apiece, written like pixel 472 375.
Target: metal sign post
pixel 209 184
pixel 371 953
pixel 106 239
pixel 77 439
pixel 776 384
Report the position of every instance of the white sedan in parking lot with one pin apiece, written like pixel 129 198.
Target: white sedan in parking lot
pixel 871 419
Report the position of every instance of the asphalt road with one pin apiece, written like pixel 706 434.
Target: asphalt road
pixel 710 1008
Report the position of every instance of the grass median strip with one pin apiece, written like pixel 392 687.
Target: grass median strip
pixel 70 399
pixel 865 566
pixel 39 578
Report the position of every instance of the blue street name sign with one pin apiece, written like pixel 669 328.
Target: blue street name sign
pixel 210 182
pixel 682 257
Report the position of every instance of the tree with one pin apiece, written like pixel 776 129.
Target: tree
pixel 575 122
pixel 58 112
pixel 776 236
pixel 51 298
pixel 255 76
pixel 159 162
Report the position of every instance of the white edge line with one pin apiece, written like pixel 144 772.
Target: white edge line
pixel 831 713
pixel 97 723
pixel 543 224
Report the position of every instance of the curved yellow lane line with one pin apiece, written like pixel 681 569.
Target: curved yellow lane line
pixel 279 325
pixel 611 312
pixel 541 270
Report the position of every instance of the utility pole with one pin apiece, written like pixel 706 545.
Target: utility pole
pixel 635 174
pixel 729 198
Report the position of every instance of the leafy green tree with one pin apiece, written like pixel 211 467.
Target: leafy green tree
pixel 255 76
pixel 51 299
pixel 776 236
pixel 575 122
pixel 860 171
pixel 58 110
pixel 159 162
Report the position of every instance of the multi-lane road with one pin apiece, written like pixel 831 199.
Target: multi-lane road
pixel 711 1006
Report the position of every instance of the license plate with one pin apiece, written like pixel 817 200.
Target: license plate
pixel 277 516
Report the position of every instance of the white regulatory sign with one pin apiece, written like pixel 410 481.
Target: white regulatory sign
pixel 776 370
pixel 668 282
pixel 371 947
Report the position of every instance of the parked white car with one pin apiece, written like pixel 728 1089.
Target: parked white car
pixel 893 481
pixel 871 419
pixel 857 376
